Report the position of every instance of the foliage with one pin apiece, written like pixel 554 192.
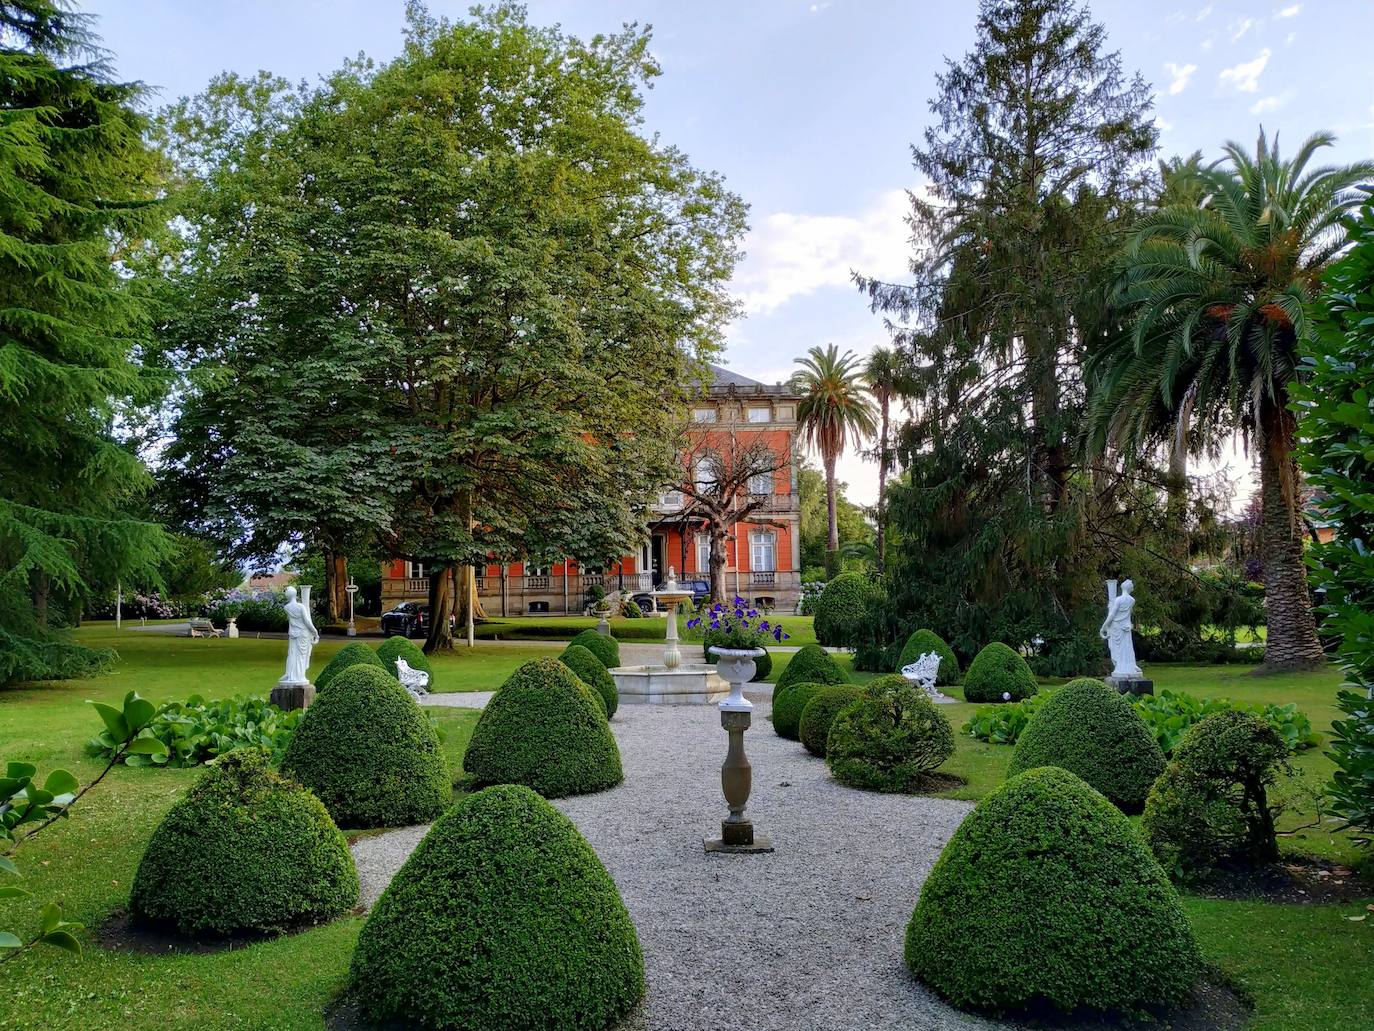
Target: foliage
pixel 811 664
pixel 788 704
pixel 607 649
pixel 197 731
pixel 998 674
pixel 588 669
pixel 763 665
pixel 262 613
pixel 814 527
pixel 922 642
pixel 736 626
pixel 629 609
pixel 813 729
pixel 354 653
pixel 841 609
pixel 503 916
pixel 1093 731
pixel 544 729
pixel 1211 806
pixel 1045 850
pixel 1004 724
pixel 398 647
pixel 246 850
pixel 1171 714
pixel 811 591
pixel 369 753
pixel 889 738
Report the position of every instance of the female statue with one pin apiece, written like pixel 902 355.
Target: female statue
pixel 301 636
pixel 1116 630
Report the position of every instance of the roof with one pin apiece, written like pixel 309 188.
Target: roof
pixel 726 382
pixel 726 378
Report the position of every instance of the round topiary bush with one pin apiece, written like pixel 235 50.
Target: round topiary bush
pixel 998 674
pixel 842 609
pixel 588 669
pixel 607 649
pixel 763 665
pixel 788 706
pixel 397 647
pixel 812 664
pixel 246 851
pixel 502 917
pixel 1092 730
pixel 370 753
pixel 889 738
pixel 819 713
pixel 1046 894
pixel 923 641
pixel 355 653
pixel 543 729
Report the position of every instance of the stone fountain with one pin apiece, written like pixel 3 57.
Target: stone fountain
pixel 672 682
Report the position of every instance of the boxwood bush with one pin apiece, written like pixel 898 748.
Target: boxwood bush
pixel 607 649
pixel 812 664
pixel 998 674
pixel 889 738
pixel 246 851
pixel 788 706
pixel 543 729
pixel 842 609
pixel 588 669
pixel 355 653
pixel 502 917
pixel 923 641
pixel 398 647
pixel 1092 730
pixel 1046 894
pixel 370 753
pixel 820 712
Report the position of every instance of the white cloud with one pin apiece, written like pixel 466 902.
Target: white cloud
pixel 1289 12
pixel 1162 125
pixel 1179 76
pixel 1244 78
pixel 1259 107
pixel 1290 37
pixel 818 8
pixel 1203 13
pixel 1206 44
pixel 792 255
pixel 1240 28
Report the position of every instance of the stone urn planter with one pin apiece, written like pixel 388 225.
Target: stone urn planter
pixel 736 666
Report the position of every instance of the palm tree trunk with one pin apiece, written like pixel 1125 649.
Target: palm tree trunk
pixel 832 541
pixel 883 460
pixel 1291 642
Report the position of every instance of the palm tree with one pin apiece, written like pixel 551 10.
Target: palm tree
pixel 1215 297
pixel 882 373
pixel 834 411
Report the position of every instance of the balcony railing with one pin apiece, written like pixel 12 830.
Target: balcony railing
pixel 763 578
pixel 536 583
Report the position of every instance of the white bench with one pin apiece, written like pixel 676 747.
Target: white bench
pixel 203 628
pixel 416 681
pixel 923 673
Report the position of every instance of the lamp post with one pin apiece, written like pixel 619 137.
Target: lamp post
pixel 352 589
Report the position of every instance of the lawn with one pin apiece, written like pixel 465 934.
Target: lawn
pixel 1304 966
pixel 649 628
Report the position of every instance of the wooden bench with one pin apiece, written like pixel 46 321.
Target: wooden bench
pixel 203 628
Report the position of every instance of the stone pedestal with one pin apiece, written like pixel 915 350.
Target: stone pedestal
pixel 1132 685
pixel 736 780
pixel 292 696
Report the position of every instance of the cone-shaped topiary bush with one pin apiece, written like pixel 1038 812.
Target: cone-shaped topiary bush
pixel 842 609
pixel 1046 894
pixel 607 649
pixel 247 850
pixel 889 738
pixel 998 674
pixel 398 647
pixel 355 653
pixel 502 917
pixel 812 664
pixel 370 753
pixel 543 729
pixel 788 706
pixel 1091 729
pixel 923 641
pixel 588 669
pixel 820 712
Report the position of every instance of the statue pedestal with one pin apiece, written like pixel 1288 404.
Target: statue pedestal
pixel 292 696
pixel 1132 685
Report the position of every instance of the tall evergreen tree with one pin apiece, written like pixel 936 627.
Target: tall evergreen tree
pixel 76 183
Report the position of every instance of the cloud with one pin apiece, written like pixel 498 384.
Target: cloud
pixel 1179 76
pixel 1244 78
pixel 1240 28
pixel 792 255
pixel 818 8
pixel 1162 125
pixel 1203 13
pixel 1289 12
pixel 1265 104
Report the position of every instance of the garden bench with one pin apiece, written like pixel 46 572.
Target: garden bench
pixel 203 628
pixel 923 673
pixel 416 681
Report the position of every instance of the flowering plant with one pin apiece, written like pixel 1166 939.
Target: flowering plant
pixel 737 626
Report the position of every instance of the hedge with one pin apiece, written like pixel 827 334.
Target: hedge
pixel 788 706
pixel 607 649
pixel 820 712
pixel 812 664
pixel 889 738
pixel 923 641
pixel 998 674
pixel 842 609
pixel 397 647
pixel 588 669
pixel 355 653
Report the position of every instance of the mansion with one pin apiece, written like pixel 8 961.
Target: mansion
pixel 763 556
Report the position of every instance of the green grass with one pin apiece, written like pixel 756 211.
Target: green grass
pixel 800 629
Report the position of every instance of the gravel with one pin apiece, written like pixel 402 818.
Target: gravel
pixel 807 937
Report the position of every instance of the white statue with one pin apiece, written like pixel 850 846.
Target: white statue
pixel 301 636
pixel 923 673
pixel 1116 631
pixel 416 681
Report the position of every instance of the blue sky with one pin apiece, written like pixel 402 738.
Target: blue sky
pixel 809 108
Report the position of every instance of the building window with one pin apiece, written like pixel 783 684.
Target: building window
pixel 536 570
pixel 707 475
pixel 703 553
pixel 761 483
pixel 760 415
pixel 703 415
pixel 763 551
pixel 784 413
pixel 416 570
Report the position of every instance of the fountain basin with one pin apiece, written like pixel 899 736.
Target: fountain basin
pixel 658 685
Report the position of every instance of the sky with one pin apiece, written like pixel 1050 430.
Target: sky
pixel 809 109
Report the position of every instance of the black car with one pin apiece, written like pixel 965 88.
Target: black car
pixel 701 591
pixel 408 619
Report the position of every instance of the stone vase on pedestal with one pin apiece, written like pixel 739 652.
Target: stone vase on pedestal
pixel 737 835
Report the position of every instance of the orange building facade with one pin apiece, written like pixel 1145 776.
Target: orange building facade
pixel 763 555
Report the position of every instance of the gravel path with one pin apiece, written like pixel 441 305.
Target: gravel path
pixel 808 937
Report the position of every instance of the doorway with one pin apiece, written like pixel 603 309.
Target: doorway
pixel 658 549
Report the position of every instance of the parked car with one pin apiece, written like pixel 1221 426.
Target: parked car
pixel 408 619
pixel 701 591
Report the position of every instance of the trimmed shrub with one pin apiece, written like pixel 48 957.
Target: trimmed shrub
pixel 370 753
pixel 398 647
pixel 842 609
pixel 607 649
pixel 923 641
pixel 788 706
pixel 1092 730
pixel 889 738
pixel 502 917
pixel 819 713
pixel 1046 894
pixel 246 851
pixel 811 665
pixel 543 729
pixel 355 653
pixel 998 674
pixel 588 669
pixel 1211 805
pixel 763 665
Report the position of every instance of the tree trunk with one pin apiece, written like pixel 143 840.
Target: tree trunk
pixel 335 579
pixel 1291 642
pixel 40 587
pixel 1177 512
pixel 883 461
pixel 440 609
pixel 717 561
pixel 832 541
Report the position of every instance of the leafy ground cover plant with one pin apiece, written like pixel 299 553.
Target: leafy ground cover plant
pixel 195 731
